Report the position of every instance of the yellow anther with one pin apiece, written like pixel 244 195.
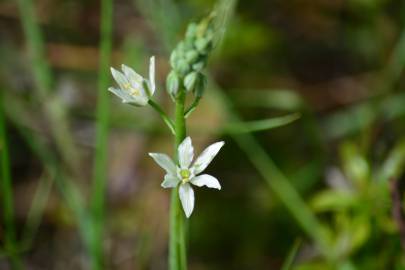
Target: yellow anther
pixel 134 92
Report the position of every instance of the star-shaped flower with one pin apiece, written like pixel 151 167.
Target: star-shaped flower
pixel 133 88
pixel 186 173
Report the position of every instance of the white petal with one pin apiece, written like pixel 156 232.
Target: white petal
pixel 137 100
pixel 165 162
pixel 186 194
pixel 134 78
pixel 170 181
pixel 152 75
pixel 206 180
pixel 120 78
pixel 186 153
pixel 205 158
pixel 126 98
pixel 132 75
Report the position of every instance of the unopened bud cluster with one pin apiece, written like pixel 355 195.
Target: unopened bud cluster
pixel 190 57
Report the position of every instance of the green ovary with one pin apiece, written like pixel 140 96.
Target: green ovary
pixel 185 175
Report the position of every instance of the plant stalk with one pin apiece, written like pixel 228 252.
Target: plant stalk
pixel 100 162
pixel 177 245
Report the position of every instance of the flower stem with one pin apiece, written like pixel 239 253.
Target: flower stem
pixel 163 115
pixel 177 245
pixel 192 107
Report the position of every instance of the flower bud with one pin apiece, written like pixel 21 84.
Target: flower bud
pixel 202 45
pixel 199 65
pixel 191 30
pixel 200 85
pixel 188 45
pixel 173 58
pixel 192 56
pixel 182 67
pixel 172 83
pixel 190 80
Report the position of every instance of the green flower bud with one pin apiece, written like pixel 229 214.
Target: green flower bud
pixel 172 83
pixel 180 46
pixel 191 30
pixel 200 85
pixel 173 58
pixel 188 46
pixel 190 80
pixel 182 67
pixel 191 56
pixel 199 65
pixel 203 45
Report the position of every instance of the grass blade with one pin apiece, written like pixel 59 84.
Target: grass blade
pixel 287 265
pixel 6 191
pixel 100 162
pixel 276 179
pixel 260 125
pixel 53 107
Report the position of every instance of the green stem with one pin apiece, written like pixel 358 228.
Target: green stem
pixel 6 193
pixel 100 163
pixel 177 245
pixel 163 115
pixel 192 107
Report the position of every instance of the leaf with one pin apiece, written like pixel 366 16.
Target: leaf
pixel 282 99
pixel 260 125
pixel 394 164
pixel 287 265
pixel 355 165
pixel 333 200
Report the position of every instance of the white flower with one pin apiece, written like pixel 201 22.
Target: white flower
pixel 133 88
pixel 186 174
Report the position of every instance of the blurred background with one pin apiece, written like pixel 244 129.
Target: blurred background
pixel 322 192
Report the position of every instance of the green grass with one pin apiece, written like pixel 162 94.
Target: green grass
pixel 101 144
pixel 54 109
pixel 275 178
pixel 6 192
pixel 57 117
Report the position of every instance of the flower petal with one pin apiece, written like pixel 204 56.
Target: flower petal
pixel 186 194
pixel 186 153
pixel 138 100
pixel 170 181
pixel 152 84
pixel 165 162
pixel 206 180
pixel 120 78
pixel 205 158
pixel 134 79
pixel 132 74
pixel 126 98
